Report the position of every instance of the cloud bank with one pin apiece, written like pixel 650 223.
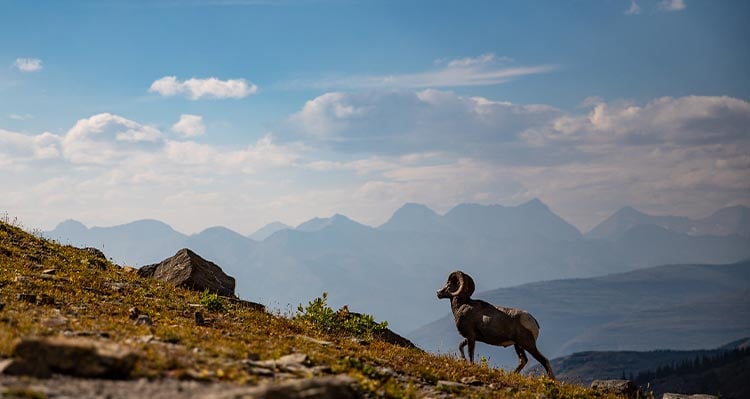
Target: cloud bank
pixel 366 153
pixel 209 88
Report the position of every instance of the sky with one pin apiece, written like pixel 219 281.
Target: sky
pixel 239 113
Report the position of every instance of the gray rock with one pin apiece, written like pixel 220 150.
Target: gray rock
pixel 188 269
pixel 143 320
pixel 293 362
pixel 31 298
pixel 199 319
pixel 82 357
pixel 451 384
pixel 683 396
pixel 618 387
pixel 336 387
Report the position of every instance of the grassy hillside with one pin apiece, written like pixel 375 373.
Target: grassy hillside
pixel 78 292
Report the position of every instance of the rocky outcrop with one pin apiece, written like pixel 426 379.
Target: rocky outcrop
pixel 624 388
pixel 80 357
pixel 188 269
pixel 334 387
pixel 391 337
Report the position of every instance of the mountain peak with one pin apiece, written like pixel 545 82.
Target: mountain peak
pixel 535 203
pixel 414 217
pixel 317 224
pixel 268 230
pixel 70 225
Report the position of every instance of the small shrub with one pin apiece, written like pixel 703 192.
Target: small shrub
pixel 325 319
pixel 211 301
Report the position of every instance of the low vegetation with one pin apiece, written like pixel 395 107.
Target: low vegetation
pixel 48 289
pixel 324 319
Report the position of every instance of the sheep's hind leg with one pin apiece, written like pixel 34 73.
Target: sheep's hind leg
pixel 522 359
pixel 461 347
pixel 541 359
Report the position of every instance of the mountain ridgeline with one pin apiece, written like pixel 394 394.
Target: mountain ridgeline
pixel 392 271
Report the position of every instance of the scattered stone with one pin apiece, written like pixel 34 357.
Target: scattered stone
pixel 30 298
pixel 336 387
pixel 261 371
pixel 618 387
pixel 56 320
pixel 49 271
pixel 683 396
pixel 360 341
pixel 82 357
pixel 471 381
pixel 385 371
pixel 199 319
pixel 45 299
pixel 143 320
pixel 21 279
pixel 315 340
pixel 188 269
pixel 117 287
pixel 128 269
pixel 295 363
pixel 450 384
pixel 133 313
pixel 98 334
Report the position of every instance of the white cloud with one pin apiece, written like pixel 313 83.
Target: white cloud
pixel 20 117
pixel 634 8
pixel 106 138
pixel 211 88
pixel 410 121
pixel 690 120
pixel 672 5
pixel 486 69
pixel 189 125
pixel 19 147
pixel 28 64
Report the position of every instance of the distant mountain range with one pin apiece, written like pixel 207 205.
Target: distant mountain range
pixel 584 367
pixel 681 307
pixel 726 221
pixel 392 271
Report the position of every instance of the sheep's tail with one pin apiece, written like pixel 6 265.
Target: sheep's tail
pixel 530 323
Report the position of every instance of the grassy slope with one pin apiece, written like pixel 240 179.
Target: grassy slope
pixel 91 298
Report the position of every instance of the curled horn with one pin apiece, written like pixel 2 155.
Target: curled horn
pixel 465 285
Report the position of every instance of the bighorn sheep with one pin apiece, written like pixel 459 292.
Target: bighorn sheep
pixel 478 320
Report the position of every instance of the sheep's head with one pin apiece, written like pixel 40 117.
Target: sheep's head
pixel 459 284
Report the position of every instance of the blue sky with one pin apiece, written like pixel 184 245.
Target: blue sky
pixel 356 107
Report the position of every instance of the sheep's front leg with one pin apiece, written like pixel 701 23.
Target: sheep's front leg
pixel 461 347
pixel 471 350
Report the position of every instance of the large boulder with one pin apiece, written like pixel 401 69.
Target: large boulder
pixel 188 269
pixel 82 357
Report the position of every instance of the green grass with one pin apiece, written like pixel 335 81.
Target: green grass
pixel 97 299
